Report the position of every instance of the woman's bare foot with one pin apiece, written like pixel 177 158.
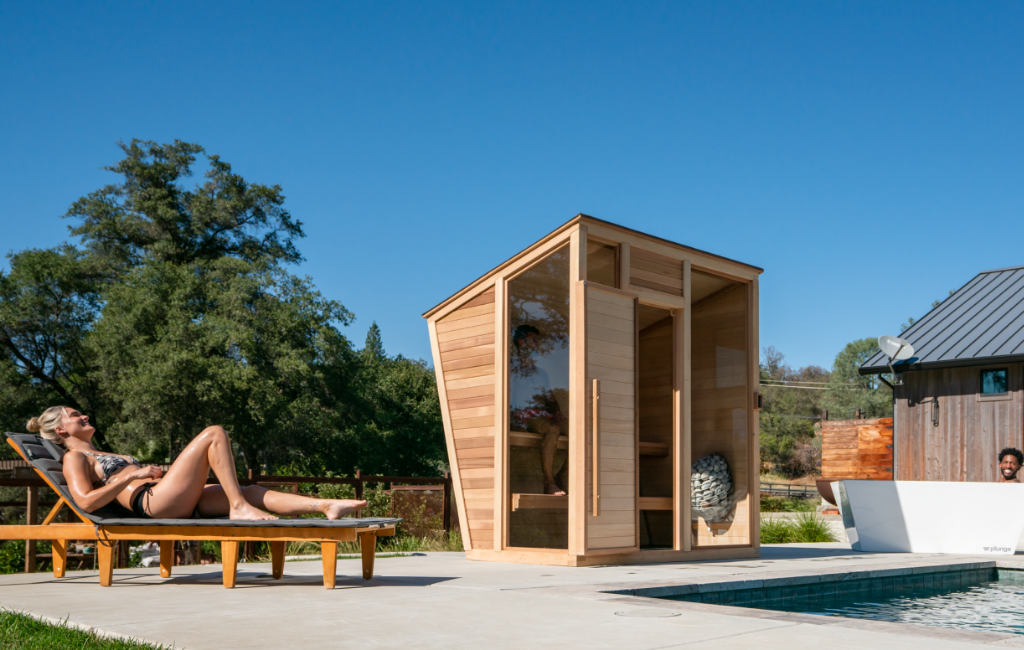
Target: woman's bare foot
pixel 552 488
pixel 338 508
pixel 249 512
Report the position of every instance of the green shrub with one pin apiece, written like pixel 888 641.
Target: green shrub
pixel 378 502
pixel 807 528
pixel 776 531
pixel 812 528
pixel 212 548
pixel 782 504
pixel 12 556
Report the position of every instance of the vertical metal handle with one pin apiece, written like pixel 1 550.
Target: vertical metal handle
pixel 597 448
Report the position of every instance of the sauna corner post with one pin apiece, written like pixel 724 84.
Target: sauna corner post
pixel 683 531
pixel 577 392
pixel 501 423
pixel 754 439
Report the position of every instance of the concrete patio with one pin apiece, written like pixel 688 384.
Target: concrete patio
pixel 440 600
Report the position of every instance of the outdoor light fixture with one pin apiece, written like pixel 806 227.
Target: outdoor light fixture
pixel 935 411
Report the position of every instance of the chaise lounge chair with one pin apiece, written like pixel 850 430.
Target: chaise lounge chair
pixel 106 525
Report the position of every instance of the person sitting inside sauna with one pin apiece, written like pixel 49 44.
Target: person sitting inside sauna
pixel 1010 460
pixel 534 405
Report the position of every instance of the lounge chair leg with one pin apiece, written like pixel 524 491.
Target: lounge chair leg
pixel 60 557
pixel 166 557
pixel 229 557
pixel 368 544
pixel 277 559
pixel 329 553
pixel 105 553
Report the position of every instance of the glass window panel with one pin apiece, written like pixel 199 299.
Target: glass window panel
pixel 657 421
pixel 720 494
pixel 993 381
pixel 539 404
pixel 602 263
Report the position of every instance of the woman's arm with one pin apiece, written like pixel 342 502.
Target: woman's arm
pixel 76 471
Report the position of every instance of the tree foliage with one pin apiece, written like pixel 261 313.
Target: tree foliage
pixel 849 390
pixel 151 217
pixel 174 311
pixel 795 400
pixel 792 402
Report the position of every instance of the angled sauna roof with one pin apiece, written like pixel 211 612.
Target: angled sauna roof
pixel 583 218
pixel 980 324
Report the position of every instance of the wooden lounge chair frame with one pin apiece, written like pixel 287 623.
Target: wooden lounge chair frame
pixel 230 538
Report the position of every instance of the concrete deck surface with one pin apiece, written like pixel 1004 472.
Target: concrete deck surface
pixel 441 600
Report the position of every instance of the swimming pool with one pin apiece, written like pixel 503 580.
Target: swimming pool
pixel 989 599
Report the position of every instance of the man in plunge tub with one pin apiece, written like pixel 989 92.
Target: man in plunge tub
pixel 1010 461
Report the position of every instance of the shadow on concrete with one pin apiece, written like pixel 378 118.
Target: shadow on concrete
pixel 784 552
pixel 244 579
pixel 249 579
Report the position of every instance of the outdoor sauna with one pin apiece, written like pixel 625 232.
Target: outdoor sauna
pixel 599 397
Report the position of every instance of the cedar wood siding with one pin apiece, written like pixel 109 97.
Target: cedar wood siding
pixel 467 351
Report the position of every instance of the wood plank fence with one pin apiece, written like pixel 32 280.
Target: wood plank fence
pixel 856 449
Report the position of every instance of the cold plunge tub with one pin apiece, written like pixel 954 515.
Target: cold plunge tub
pixel 931 517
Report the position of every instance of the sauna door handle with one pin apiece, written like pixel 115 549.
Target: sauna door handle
pixel 597 448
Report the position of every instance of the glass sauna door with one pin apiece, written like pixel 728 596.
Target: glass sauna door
pixel 538 382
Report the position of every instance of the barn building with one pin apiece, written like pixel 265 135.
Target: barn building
pixel 963 390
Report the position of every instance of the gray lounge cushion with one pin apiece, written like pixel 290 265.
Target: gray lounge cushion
pixel 47 458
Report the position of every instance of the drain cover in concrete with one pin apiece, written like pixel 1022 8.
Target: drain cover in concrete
pixel 648 613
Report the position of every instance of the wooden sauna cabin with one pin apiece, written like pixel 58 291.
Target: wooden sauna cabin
pixel 603 363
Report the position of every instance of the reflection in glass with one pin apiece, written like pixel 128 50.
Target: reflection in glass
pixel 539 403
pixel 993 382
pixel 602 263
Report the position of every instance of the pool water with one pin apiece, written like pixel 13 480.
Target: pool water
pixel 972 598
pixel 993 606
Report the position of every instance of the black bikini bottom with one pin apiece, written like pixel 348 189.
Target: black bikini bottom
pixel 137 508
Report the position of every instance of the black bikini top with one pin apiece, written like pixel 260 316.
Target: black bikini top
pixel 111 463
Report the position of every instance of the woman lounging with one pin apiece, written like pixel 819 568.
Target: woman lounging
pixel 97 478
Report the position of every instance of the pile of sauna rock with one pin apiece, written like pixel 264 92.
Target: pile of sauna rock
pixel 711 488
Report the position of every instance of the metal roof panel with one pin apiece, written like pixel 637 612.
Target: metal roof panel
pixel 983 321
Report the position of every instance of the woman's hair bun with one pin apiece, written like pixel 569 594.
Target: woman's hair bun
pixel 33 425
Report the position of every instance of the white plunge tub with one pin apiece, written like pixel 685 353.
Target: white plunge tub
pixel 931 517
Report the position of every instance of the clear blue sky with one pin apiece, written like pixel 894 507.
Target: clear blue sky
pixel 867 155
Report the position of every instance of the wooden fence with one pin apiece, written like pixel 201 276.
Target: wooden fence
pixel 856 449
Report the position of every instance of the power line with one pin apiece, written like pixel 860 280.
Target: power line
pixel 807 387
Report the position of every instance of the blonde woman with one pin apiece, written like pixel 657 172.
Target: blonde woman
pixel 97 478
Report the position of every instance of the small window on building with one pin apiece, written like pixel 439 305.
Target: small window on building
pixel 602 263
pixel 993 382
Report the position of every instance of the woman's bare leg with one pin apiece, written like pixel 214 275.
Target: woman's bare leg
pixel 214 503
pixel 179 491
pixel 548 447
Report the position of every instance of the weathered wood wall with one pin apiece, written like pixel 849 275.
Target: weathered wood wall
pixel 719 348
pixel 857 449
pixel 466 344
pixel 972 427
